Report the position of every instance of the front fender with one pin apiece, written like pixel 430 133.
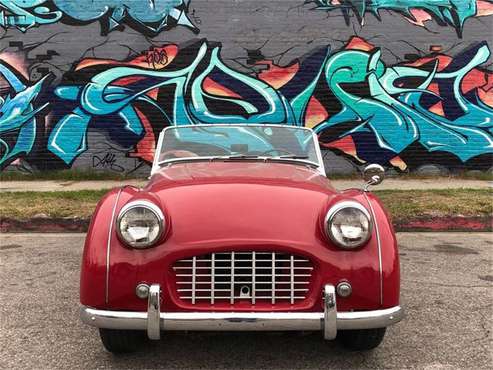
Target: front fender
pixel 95 259
pixel 389 253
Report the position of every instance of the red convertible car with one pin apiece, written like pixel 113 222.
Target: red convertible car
pixel 240 229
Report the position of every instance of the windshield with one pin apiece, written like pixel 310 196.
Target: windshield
pixel 238 142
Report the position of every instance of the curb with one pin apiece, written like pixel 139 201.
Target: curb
pixel 44 225
pixel 446 223
pixel 80 225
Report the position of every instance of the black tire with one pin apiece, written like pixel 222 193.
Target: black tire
pixel 122 341
pixel 361 340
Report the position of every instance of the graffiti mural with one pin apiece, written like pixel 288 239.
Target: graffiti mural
pixel 150 17
pixel 438 105
pixel 91 84
pixel 446 12
pixel 18 111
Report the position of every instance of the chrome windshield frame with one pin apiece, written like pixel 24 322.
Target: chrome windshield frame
pixel 157 165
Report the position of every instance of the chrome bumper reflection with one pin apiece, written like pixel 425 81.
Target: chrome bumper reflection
pixel 155 321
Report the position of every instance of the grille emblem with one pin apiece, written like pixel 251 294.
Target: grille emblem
pixel 245 292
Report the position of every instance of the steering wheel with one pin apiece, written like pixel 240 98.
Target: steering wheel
pixel 287 152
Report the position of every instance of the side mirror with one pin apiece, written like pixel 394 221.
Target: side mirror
pixel 373 174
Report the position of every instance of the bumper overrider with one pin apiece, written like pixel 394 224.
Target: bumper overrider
pixel 154 321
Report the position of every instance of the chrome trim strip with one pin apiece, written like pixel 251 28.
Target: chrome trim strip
pixel 241 321
pixel 155 165
pixel 263 159
pixel 154 312
pixel 377 233
pixel 330 312
pixel 108 245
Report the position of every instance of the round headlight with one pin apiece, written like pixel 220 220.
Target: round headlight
pixel 348 224
pixel 140 224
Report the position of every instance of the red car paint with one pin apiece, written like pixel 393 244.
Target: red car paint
pixel 234 206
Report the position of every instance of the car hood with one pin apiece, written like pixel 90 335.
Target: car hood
pixel 241 201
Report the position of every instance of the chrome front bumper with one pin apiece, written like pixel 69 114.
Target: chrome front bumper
pixel 154 321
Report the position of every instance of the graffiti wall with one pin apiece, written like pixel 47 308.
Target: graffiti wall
pixel 90 84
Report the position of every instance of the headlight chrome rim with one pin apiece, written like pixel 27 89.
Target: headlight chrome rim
pixel 149 206
pixel 331 213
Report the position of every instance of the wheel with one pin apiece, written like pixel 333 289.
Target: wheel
pixel 122 341
pixel 361 340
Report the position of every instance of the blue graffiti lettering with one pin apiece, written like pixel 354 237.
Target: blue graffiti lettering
pixel 17 115
pixel 149 16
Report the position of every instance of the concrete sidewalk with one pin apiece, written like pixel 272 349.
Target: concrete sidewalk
pixel 388 184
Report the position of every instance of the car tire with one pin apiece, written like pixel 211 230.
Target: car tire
pixel 122 341
pixel 361 340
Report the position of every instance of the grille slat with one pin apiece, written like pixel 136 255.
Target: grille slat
pixel 243 275
pixel 213 277
pixel 194 276
pixel 292 279
pixel 245 260
pixel 246 281
pixel 273 274
pixel 232 275
pixel 236 277
pixel 254 272
pixel 228 290
pixel 241 268
pixel 287 297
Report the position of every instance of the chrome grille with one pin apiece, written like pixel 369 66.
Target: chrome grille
pixel 243 276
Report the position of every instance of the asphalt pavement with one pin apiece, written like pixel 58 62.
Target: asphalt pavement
pixel 447 282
